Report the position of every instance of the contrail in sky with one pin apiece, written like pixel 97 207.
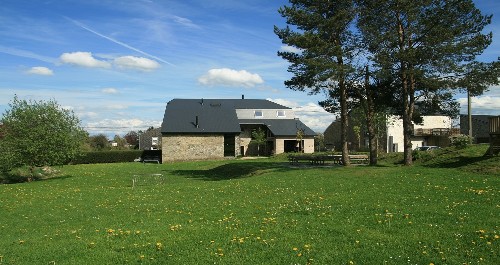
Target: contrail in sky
pixel 81 25
pixel 26 54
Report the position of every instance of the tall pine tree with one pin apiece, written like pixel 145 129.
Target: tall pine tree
pixel 323 34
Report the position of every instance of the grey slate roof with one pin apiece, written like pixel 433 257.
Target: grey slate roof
pixel 285 127
pixel 214 116
pixel 219 116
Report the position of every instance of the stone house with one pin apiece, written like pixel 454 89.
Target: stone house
pixel 480 127
pixel 200 129
pixel 434 130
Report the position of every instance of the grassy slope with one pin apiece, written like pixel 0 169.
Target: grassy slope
pixel 257 212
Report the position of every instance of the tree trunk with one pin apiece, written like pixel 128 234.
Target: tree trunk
pixel 370 120
pixel 343 113
pixel 407 93
pixel 344 125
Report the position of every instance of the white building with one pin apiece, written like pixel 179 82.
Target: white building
pixel 434 130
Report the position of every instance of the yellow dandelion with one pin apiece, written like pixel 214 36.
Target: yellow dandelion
pixel 295 249
pixel 159 246
pixel 299 255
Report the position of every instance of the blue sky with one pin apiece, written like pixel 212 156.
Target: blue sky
pixel 117 63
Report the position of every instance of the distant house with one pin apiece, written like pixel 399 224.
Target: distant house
pixel 150 139
pixel 198 129
pixel 434 130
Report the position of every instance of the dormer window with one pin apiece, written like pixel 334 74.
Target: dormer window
pixel 258 114
pixel 280 114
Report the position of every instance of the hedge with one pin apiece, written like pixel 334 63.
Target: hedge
pixel 97 157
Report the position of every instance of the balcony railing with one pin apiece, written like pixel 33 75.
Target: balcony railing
pixel 495 125
pixel 436 132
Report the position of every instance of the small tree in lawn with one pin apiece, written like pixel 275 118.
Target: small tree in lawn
pixel 259 138
pixel 300 136
pixel 38 133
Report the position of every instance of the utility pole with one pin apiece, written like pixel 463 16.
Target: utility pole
pixel 469 114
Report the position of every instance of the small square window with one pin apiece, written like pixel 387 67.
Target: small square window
pixel 280 114
pixel 258 114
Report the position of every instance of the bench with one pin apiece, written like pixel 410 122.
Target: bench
pixel 151 159
pixel 358 159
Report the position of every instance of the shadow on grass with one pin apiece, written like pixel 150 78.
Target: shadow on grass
pixel 10 178
pixel 232 171
pixel 456 162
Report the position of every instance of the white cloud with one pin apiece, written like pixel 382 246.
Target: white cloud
pixel 84 59
pixel 286 48
pixel 138 63
pixel 116 106
pixel 285 102
pixel 120 126
pixel 311 114
pixel 81 25
pixel 40 70
pixel 88 115
pixel 486 104
pixel 109 90
pixel 229 77
pixel 185 22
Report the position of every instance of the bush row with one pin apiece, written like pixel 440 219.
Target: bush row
pixel 97 157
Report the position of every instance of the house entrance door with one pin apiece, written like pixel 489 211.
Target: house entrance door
pixel 229 145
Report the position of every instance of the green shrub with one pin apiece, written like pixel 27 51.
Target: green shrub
pixel 461 141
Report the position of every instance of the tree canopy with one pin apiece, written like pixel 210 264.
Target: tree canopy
pixel 327 47
pixel 417 52
pixel 39 133
pixel 428 49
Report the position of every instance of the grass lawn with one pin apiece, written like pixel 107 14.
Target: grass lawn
pixel 255 212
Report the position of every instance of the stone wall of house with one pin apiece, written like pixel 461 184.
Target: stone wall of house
pixel 192 147
pixel 279 144
pixel 308 146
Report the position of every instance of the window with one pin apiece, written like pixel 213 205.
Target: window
pixel 258 114
pixel 280 114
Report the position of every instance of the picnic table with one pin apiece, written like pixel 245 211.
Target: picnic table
pixel 315 159
pixel 322 159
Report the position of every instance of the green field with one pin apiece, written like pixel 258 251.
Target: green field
pixel 443 211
